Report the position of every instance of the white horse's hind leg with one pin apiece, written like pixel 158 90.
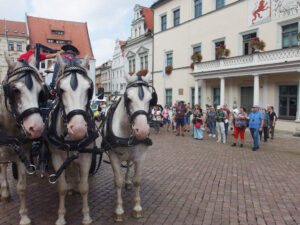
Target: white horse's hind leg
pixel 5 195
pixel 21 188
pixel 85 163
pixel 137 209
pixel 115 163
pixel 128 183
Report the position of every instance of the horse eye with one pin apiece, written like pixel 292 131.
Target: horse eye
pixel 16 91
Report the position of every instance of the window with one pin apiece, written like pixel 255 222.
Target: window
pixel 197 49
pixel 57 32
pixel 198 8
pixel 131 65
pixel 246 43
pixel 170 59
pixel 163 22
pixel 135 32
pixel 144 62
pixel 169 97
pixel 176 15
pixel 139 31
pixel 288 102
pixel 10 46
pixel 193 96
pixel 43 65
pixel 19 47
pixel 220 3
pixel 289 35
pixel 216 97
pixel 217 45
pixel 50 41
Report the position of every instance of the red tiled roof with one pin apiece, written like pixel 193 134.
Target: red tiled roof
pixel 76 32
pixel 148 15
pixel 13 26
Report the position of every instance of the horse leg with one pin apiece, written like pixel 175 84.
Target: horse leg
pixel 21 188
pixel 119 211
pixel 128 183
pixel 85 164
pixel 5 195
pixel 57 161
pixel 137 209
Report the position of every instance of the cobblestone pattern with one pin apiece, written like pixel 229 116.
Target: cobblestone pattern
pixel 186 181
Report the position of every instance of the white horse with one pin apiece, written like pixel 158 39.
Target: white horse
pixel 19 114
pixel 127 124
pixel 70 119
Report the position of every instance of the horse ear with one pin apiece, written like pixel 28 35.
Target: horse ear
pixel 11 64
pixel 32 61
pixel 147 77
pixel 85 63
pixel 129 78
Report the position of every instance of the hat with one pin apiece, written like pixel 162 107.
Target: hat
pixel 255 106
pixel 219 107
pixel 72 48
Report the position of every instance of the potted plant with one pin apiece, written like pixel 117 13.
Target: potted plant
pixel 222 51
pixel 143 72
pixel 257 44
pixel 192 65
pixel 131 73
pixel 168 69
pixel 196 57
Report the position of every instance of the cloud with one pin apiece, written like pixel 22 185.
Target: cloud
pixel 10 12
pixel 103 49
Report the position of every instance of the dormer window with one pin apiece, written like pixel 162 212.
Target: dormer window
pixel 15 31
pixel 57 32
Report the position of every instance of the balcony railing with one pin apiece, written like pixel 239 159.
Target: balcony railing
pixel 260 58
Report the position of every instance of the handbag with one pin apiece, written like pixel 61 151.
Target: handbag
pixel 198 124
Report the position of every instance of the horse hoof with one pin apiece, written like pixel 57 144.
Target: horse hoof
pixel 118 217
pixel 128 187
pixel 5 199
pixel 137 214
pixel 87 221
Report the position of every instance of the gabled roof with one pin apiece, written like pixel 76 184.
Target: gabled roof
pixel 148 15
pixel 122 45
pixel 158 3
pixel 13 28
pixel 40 30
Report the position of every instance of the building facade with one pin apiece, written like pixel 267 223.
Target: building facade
pixel 56 33
pixel 105 78
pixel 13 40
pixel 117 79
pixel 98 78
pixel 246 77
pixel 138 48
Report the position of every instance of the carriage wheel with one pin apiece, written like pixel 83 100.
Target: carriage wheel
pixel 14 169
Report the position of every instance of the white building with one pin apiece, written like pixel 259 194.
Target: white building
pixel 270 77
pixel 138 48
pixel 105 77
pixel 117 79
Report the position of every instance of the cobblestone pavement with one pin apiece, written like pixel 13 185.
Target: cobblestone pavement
pixel 186 181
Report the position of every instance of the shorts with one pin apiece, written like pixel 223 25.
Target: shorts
pixel 180 122
pixel 166 121
pixel 187 120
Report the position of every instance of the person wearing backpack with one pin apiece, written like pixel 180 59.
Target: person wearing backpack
pixel 273 119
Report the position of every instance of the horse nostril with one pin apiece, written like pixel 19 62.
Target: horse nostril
pixel 136 130
pixel 31 129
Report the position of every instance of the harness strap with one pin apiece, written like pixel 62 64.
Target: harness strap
pixel 76 112
pixel 28 112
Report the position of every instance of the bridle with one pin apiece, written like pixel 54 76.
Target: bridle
pixel 139 84
pixel 58 140
pixel 26 71
pixel 16 142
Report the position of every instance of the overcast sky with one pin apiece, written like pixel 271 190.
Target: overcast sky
pixel 107 19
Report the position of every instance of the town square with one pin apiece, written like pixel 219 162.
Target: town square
pixel 150 112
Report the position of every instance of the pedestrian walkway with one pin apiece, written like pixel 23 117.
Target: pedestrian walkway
pixel 186 181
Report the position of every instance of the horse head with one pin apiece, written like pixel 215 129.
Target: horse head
pixel 138 98
pixel 23 89
pixel 75 90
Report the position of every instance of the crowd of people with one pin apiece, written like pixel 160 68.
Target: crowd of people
pixel 181 119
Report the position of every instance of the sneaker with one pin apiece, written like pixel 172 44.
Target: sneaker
pixel 233 145
pixel 182 135
pixel 218 141
pixel 188 131
pixel 224 142
pixel 214 136
pixel 241 145
pixel 254 149
pixel 177 134
pixel 210 135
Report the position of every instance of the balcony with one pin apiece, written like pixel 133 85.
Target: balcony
pixel 281 58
